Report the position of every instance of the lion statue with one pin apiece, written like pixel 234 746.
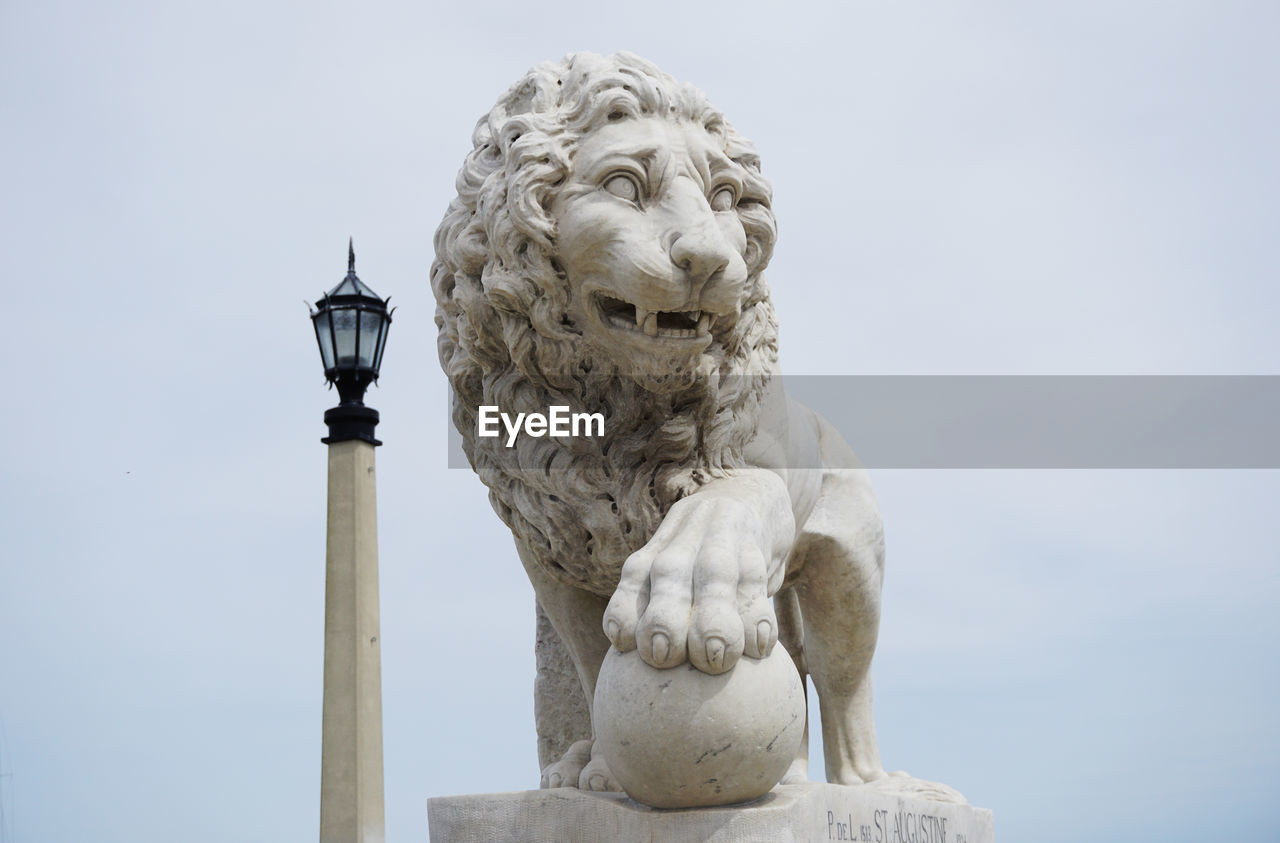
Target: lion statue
pixel 605 252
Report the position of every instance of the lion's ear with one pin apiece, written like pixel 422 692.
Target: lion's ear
pixel 537 92
pixel 740 150
pixel 521 99
pixel 744 156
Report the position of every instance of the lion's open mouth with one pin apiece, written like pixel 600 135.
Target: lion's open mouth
pixel 678 324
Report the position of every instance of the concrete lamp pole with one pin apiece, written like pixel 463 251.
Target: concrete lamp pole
pixel 351 325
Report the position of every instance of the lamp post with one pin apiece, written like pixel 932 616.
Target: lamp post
pixel 351 325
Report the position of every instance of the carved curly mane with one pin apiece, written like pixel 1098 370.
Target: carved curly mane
pixel 582 505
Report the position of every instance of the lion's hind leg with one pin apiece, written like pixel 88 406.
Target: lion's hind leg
pixel 840 553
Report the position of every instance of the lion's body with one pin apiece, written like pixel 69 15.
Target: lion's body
pixel 605 253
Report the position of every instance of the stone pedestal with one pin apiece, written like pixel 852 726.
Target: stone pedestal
pixel 804 812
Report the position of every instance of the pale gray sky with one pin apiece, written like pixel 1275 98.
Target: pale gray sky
pixel 1083 188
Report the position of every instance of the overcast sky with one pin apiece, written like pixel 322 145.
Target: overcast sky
pixel 1051 188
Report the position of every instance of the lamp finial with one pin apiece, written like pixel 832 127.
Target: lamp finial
pixel 351 254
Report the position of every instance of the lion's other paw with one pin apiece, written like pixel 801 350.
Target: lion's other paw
pixel 900 783
pixel 566 771
pixel 596 776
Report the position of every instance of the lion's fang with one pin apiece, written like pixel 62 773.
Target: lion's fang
pixel 641 316
pixel 650 323
pixel 704 323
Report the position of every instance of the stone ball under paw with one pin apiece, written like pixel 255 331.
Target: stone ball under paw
pixel 681 738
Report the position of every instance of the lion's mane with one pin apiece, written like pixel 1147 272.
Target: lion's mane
pixel 582 505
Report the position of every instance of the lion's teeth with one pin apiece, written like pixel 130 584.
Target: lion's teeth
pixel 650 323
pixel 641 316
pixel 704 322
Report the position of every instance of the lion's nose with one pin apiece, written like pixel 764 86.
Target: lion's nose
pixel 701 253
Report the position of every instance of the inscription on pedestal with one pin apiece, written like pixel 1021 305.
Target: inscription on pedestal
pixel 901 826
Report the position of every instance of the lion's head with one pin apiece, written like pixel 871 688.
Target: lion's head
pixel 605 251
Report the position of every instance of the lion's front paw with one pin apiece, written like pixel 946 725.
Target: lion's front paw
pixel 698 591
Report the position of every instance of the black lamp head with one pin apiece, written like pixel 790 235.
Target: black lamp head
pixel 351 324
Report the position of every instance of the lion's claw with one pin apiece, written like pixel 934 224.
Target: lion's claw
pixel 715 654
pixel 660 647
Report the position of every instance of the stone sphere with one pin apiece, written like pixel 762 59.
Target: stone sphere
pixel 681 738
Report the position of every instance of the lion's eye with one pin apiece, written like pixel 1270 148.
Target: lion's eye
pixel 623 186
pixel 723 199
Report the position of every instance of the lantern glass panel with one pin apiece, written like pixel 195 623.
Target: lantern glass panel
pixel 321 320
pixel 382 343
pixel 344 328
pixel 369 321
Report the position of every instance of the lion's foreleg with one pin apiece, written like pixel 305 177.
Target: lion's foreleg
pixel 560 708
pixel 577 619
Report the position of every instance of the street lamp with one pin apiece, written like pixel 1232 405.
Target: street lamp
pixel 351 325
